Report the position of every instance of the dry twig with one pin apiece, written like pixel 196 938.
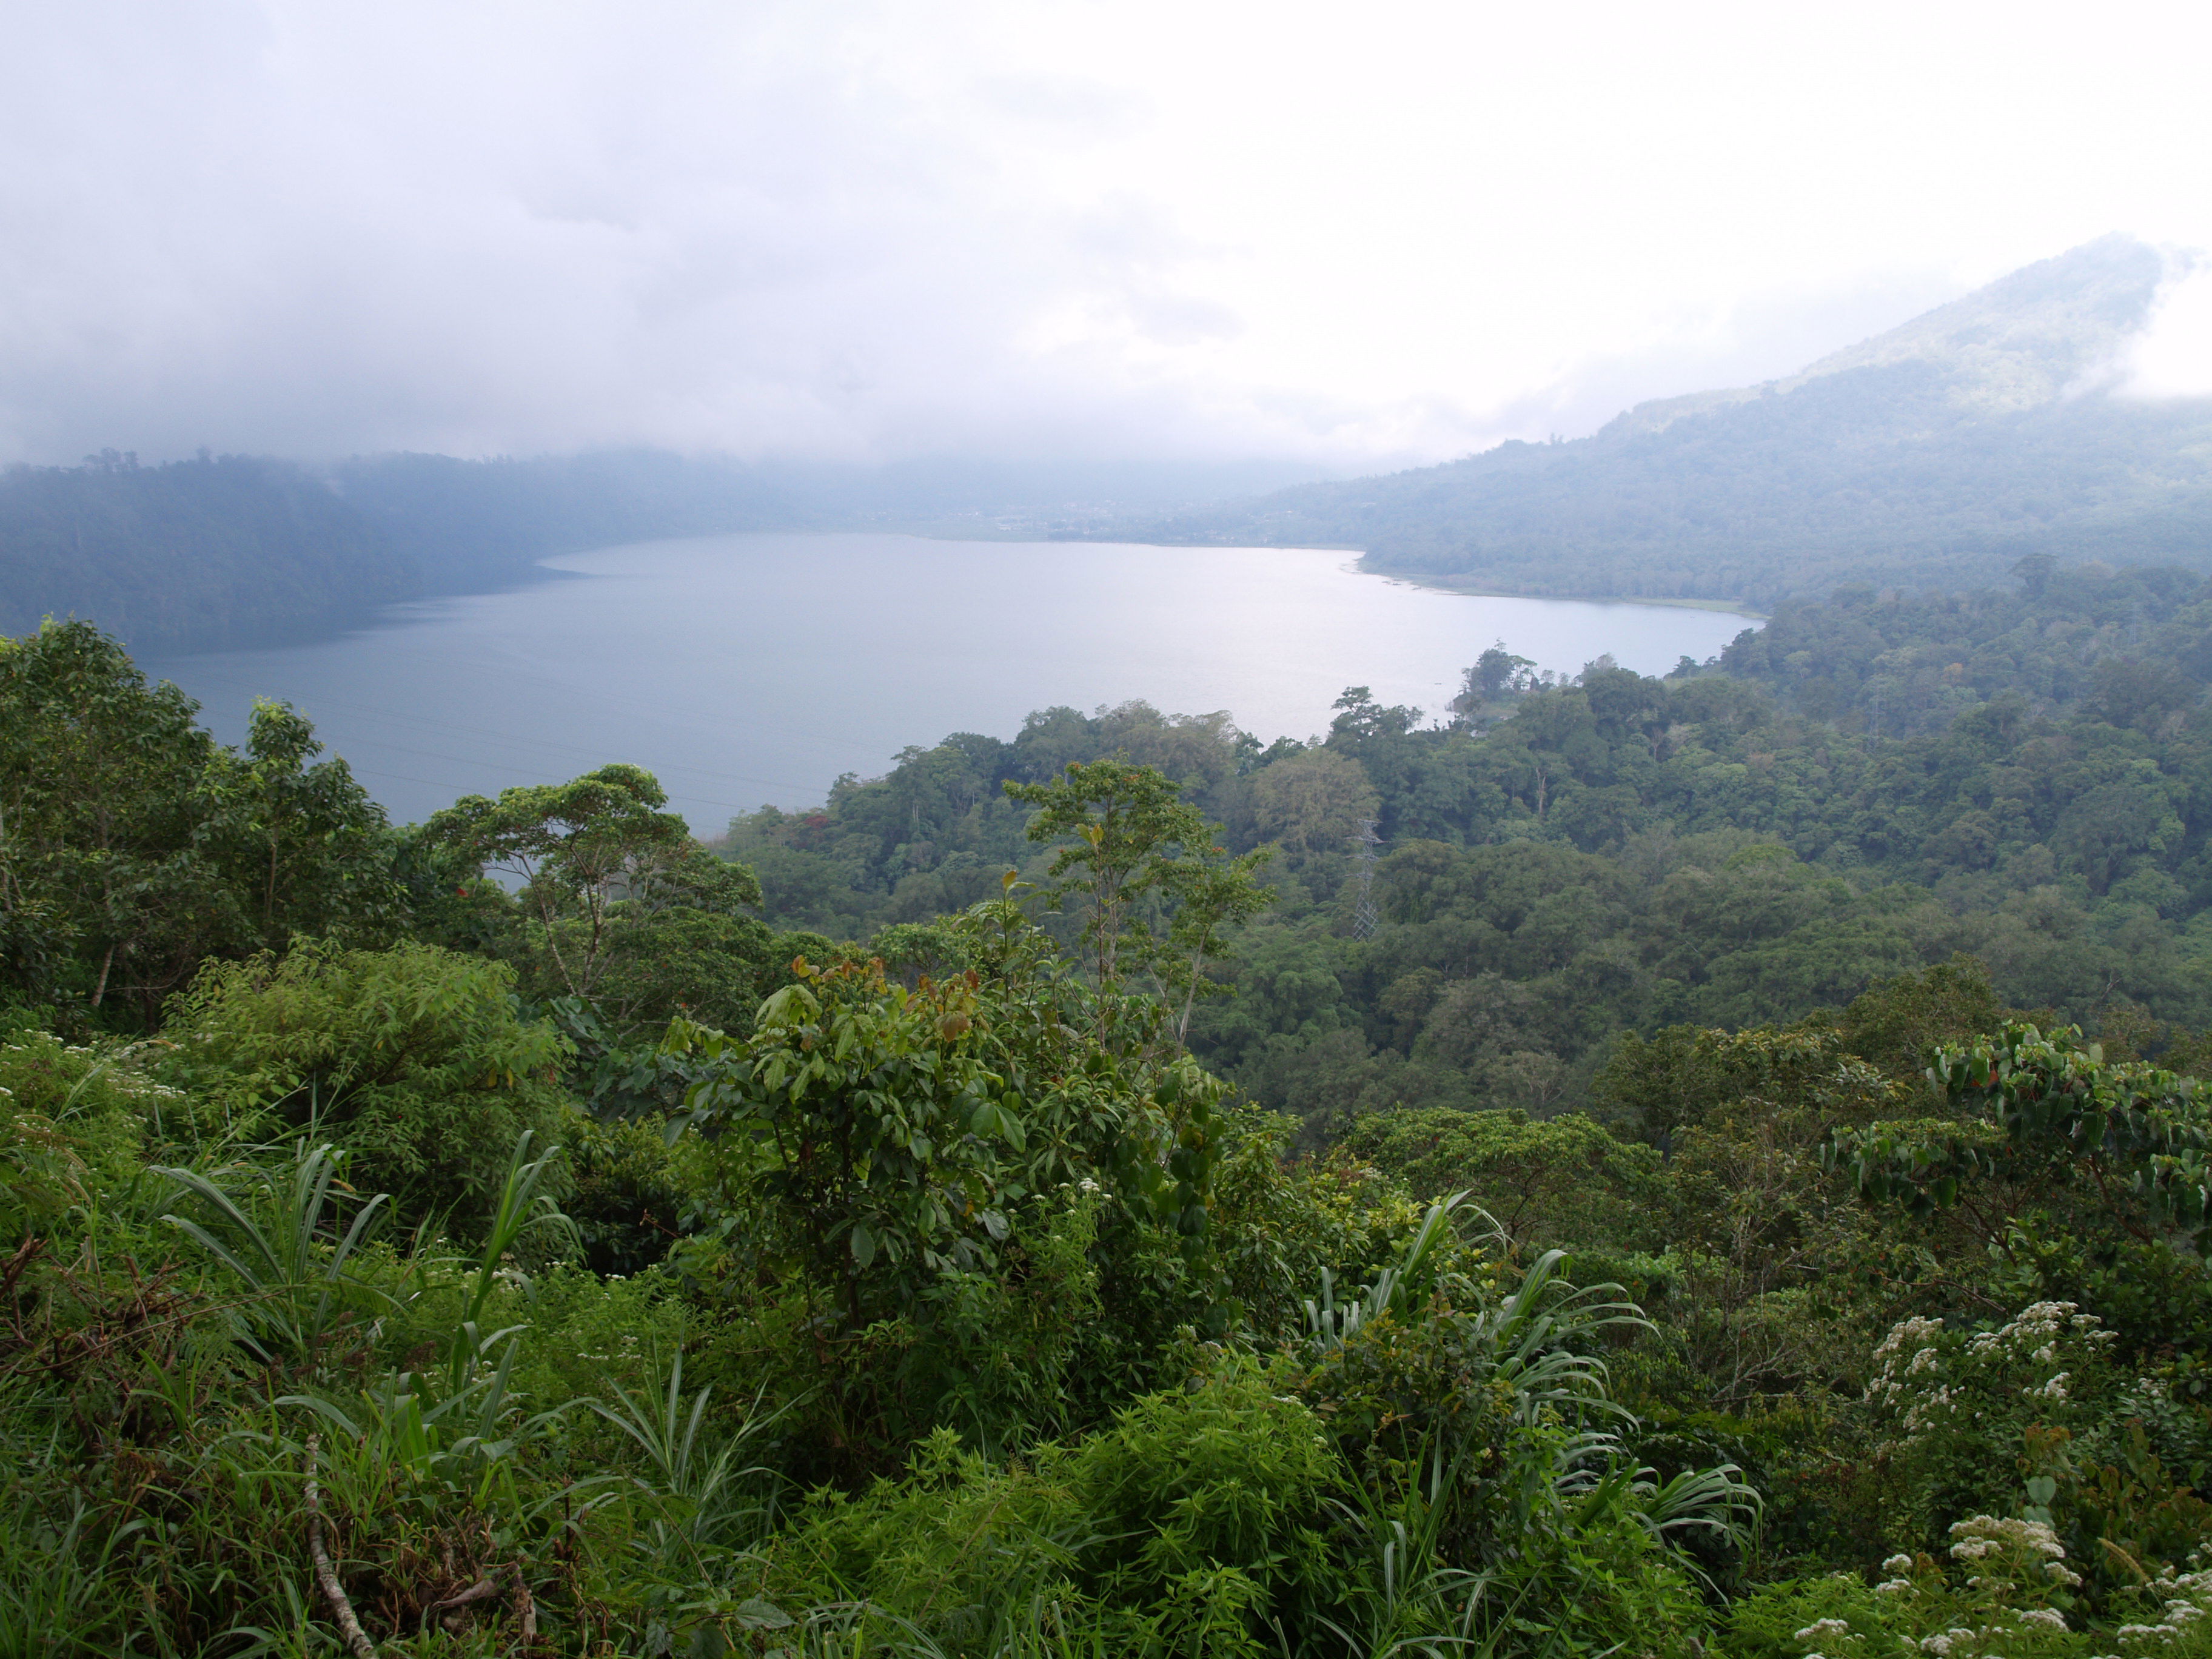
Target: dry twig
pixel 475 1592
pixel 327 1575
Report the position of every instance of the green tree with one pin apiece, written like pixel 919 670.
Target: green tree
pixel 1131 839
pixel 415 1058
pixel 310 851
pixel 1212 893
pixel 1312 803
pixel 882 1132
pixel 99 868
pixel 132 846
pixel 578 847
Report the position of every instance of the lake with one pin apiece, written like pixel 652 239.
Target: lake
pixel 744 669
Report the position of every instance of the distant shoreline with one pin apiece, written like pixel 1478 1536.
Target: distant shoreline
pixel 1446 585
pixel 1437 584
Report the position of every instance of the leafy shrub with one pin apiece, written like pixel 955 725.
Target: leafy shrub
pixel 2007 1595
pixel 73 1120
pixel 415 1058
pixel 1227 1473
pixel 633 1195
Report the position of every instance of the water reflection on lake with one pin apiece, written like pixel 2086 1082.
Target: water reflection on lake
pixel 749 669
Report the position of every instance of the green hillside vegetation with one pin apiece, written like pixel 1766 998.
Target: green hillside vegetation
pixel 1562 864
pixel 1102 1215
pixel 1934 456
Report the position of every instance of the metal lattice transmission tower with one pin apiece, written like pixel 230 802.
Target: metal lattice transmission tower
pixel 1364 919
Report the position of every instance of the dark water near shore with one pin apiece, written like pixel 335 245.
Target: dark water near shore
pixel 749 669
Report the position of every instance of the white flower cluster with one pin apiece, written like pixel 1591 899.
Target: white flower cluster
pixel 2035 1332
pixel 1908 1352
pixel 1908 1339
pixel 2187 1598
pixel 2030 1543
pixel 1960 1643
pixel 1926 1379
pixel 1941 1644
pixel 1898 1583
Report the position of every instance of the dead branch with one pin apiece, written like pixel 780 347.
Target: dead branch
pixel 356 1638
pixel 475 1592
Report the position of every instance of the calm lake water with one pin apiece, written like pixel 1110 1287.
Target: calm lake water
pixel 751 669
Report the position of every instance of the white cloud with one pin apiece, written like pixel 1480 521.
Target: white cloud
pixel 1021 226
pixel 2173 358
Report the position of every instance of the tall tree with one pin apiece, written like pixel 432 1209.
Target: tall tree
pixel 579 849
pixel 308 850
pixel 104 885
pixel 1134 840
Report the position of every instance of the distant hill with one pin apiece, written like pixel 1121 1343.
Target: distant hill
pixel 227 551
pixel 1937 453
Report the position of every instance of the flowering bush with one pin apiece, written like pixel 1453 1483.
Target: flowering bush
pixel 1927 1376
pixel 1984 1420
pixel 2005 1595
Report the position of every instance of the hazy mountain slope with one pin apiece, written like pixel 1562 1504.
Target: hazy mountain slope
pixel 1937 453
pixel 224 552
pixel 241 551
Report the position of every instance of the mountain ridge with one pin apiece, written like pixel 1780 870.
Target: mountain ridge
pixel 1937 453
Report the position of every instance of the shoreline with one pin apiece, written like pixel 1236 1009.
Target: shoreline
pixel 1473 590
pixel 1435 584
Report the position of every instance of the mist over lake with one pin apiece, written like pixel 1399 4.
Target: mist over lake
pixel 751 669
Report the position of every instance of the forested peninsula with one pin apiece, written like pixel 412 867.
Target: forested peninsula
pixel 1665 1166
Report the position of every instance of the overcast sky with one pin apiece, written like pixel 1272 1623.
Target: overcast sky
pixel 1095 227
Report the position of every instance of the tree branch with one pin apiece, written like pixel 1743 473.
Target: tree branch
pixel 327 1575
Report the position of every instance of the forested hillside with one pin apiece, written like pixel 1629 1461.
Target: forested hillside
pixel 1864 786
pixel 238 550
pixel 1934 455
pixel 212 553
pixel 1062 1197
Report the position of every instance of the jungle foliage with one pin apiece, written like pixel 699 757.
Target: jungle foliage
pixel 1840 799
pixel 1058 1198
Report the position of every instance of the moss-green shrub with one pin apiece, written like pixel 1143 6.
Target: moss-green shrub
pixel 73 1121
pixel 416 1059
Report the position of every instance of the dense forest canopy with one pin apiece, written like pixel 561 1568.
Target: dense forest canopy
pixel 1865 785
pixel 1934 455
pixel 1612 1166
